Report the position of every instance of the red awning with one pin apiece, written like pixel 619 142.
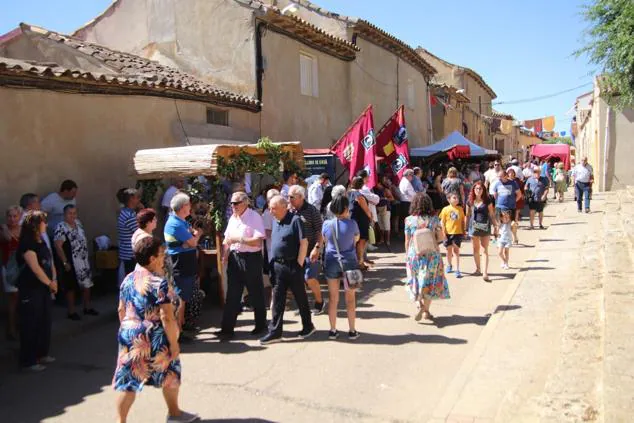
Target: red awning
pixel 317 151
pixel 548 151
pixel 459 152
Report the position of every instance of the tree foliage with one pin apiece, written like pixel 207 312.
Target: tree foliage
pixel 610 44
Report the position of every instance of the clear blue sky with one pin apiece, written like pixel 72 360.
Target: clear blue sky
pixel 522 49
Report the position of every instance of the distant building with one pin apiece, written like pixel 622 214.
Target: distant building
pixel 604 136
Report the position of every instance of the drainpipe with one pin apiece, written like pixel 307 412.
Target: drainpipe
pixel 431 132
pixel 259 59
pixel 606 147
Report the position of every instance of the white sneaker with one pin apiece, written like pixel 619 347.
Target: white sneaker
pixel 183 418
pixel 35 368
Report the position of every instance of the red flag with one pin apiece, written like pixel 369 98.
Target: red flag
pixel 356 149
pixel 392 143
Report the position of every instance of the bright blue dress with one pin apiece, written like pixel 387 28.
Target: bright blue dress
pixel 144 356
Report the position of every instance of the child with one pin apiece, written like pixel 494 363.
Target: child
pixel 506 238
pixel 453 225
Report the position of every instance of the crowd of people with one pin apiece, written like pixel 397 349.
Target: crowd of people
pixel 282 240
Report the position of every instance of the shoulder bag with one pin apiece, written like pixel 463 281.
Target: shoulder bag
pixel 351 278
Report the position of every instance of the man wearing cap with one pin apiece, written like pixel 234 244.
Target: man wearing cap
pixel 243 256
pixel 316 190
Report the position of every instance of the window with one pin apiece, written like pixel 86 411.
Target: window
pixel 499 145
pixel 308 71
pixel 411 95
pixel 218 117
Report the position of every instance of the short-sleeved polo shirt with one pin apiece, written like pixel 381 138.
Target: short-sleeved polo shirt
pixel 285 238
pixel 311 219
pixel 177 232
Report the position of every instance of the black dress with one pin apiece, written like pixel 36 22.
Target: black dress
pixel 358 215
pixel 480 220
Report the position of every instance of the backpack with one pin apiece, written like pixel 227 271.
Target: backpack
pixel 424 240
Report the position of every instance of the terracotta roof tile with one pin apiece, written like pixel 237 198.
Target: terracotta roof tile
pixel 127 69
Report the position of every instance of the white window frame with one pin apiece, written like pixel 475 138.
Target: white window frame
pixel 308 75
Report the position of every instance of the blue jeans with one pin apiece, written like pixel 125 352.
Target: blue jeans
pixel 582 189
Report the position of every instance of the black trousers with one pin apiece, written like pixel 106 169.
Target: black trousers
pixel 244 269
pixel 35 324
pixel 284 277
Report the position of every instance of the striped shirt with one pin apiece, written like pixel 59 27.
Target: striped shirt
pixel 126 226
pixel 311 219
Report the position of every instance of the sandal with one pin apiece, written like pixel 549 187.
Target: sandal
pixel 419 314
pixel 486 278
pixel 427 315
pixel 477 273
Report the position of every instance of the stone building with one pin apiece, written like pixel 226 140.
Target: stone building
pixel 605 138
pixel 77 110
pixel 477 111
pixel 313 70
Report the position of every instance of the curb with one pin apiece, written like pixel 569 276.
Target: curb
pixel 453 391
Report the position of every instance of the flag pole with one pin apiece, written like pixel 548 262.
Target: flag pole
pixel 350 127
pixel 389 120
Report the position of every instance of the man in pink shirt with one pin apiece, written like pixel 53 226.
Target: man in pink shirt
pixel 242 254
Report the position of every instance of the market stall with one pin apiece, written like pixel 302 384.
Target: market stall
pixel 454 146
pixel 220 164
pixel 558 152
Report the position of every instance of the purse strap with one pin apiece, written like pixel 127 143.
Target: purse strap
pixel 336 235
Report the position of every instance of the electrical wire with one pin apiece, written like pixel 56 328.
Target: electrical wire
pixel 181 122
pixel 542 97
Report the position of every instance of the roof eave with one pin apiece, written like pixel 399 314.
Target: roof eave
pixel 386 40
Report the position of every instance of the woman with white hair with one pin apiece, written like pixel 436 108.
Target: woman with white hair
pixel 182 240
pixel 337 191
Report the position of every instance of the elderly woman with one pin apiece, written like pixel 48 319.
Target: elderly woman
pixel 9 242
pixel 147 221
pixel 73 264
pixel 148 334
pixel 561 181
pixel 337 191
pixel 341 235
pixel 454 185
pixel 182 240
pixel 37 281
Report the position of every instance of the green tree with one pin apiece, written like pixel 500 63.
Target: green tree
pixel 610 44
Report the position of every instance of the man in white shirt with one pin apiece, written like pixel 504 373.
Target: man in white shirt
pixel 584 177
pixel 316 190
pixel 406 188
pixel 491 175
pixel 290 179
pixel 177 185
pixel 54 203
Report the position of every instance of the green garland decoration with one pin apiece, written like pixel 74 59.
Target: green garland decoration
pixel 149 188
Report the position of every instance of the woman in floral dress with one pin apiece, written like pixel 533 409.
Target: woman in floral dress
pixel 148 334
pixel 425 273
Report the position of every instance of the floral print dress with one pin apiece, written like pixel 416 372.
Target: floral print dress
pixel 426 273
pixel 144 356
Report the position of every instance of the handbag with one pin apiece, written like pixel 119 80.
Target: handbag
pixel 371 235
pixel 351 278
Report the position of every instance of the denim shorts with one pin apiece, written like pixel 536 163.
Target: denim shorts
pixel 186 285
pixel 311 270
pixel 332 268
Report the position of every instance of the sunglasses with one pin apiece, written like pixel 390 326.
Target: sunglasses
pixel 235 203
pixel 292 197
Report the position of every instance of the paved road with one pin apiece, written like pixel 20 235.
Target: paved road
pixel 397 371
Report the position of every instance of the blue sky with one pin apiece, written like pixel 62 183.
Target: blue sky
pixel 522 49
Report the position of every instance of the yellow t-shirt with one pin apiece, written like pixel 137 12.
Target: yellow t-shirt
pixel 452 219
